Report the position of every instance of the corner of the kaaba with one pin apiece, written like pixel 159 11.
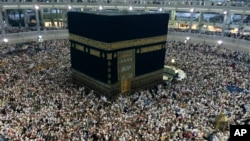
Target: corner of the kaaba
pixel 117 53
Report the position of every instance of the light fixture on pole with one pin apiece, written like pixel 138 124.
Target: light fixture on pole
pixel 36 7
pixel 100 7
pixel 37 19
pixel 69 7
pixel 173 61
pixel 5 40
pixel 160 9
pixel 40 38
pixel 191 21
pixel 40 41
pixel 130 8
pixel 224 24
pixel 220 42
pixel 187 40
pixel 192 10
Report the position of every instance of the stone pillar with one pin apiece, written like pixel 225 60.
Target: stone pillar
pixel 208 22
pixel 178 23
pixel 225 21
pixel 241 27
pixel 57 18
pixel 201 17
pixel 25 17
pixel 228 20
pixel 173 13
pixel 191 21
pixel 37 20
pixel 6 18
pixel 64 16
pixel 2 23
pixel 41 17
pixel 51 18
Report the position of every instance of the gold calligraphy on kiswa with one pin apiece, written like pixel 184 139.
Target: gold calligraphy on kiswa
pixel 88 41
pixel 151 48
pixel 95 52
pixel 127 54
pixel 138 42
pixel 109 56
pixel 79 47
pixel 119 44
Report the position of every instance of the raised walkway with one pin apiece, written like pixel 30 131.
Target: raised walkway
pixel 232 43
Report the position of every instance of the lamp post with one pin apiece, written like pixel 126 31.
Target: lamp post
pixel 220 42
pixel 65 17
pixel 224 23
pixel 130 8
pixel 37 17
pixel 191 21
pixel 40 41
pixel 5 40
pixel 100 8
pixel 173 60
pixel 69 7
pixel 172 63
pixel 160 9
pixel 187 40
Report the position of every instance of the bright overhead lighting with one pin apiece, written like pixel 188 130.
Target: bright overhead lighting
pixel 220 42
pixel 192 10
pixel 69 7
pixel 100 7
pixel 36 7
pixel 130 8
pixel 172 60
pixel 5 40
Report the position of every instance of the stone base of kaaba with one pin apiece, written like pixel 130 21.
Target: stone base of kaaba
pixel 100 88
pixel 111 91
pixel 148 80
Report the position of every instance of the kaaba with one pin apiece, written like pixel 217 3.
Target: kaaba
pixel 117 52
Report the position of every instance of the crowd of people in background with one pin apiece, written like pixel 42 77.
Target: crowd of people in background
pixel 10 30
pixel 40 102
pixel 240 36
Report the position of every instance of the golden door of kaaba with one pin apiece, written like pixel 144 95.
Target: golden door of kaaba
pixel 126 69
pixel 125 85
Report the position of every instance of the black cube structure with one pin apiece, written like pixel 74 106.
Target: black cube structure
pixel 117 52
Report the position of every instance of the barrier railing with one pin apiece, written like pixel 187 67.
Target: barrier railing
pixel 205 37
pixel 233 43
pixel 33 36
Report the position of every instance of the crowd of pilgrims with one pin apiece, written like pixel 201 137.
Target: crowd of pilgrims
pixel 39 101
pixel 240 36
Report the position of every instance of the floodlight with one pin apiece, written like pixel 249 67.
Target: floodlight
pixel 36 7
pixel 5 40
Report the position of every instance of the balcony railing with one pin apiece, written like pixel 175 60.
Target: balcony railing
pixel 234 43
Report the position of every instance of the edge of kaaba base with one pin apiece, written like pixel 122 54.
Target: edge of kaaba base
pixel 111 91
